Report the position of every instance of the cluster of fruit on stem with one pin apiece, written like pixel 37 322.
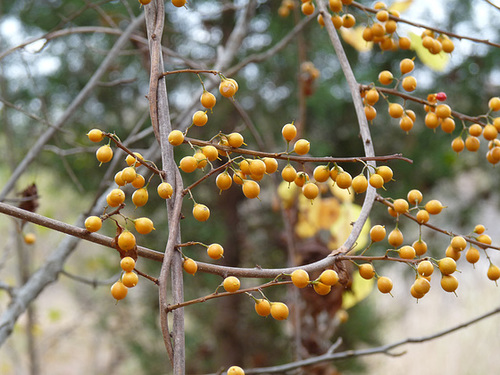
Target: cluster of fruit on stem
pixel 125 240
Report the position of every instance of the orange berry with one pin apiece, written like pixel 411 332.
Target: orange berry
pixel 407 252
pixel 118 179
pixel 384 284
pixel 329 277
pixel 139 181
pixel 140 197
pixel 95 135
pixel 235 140
pixel 224 181
pixel 127 264
pixel 348 20
pixel 401 206
pixel 458 144
pixel 176 137
pixel 165 190
pixel 126 240
pixel 130 279
pixel 406 66
pixel 227 88
pixel 370 112
pixel 251 189
pixel 420 247
pixel 493 272
pixel 300 278
pixel 422 285
pixel 188 164
pixel 115 197
pixel 134 160
pixel 414 197
pixel 376 180
pixel 262 307
pixel 129 174
pixel 271 165
pixel 119 291
pixel 396 110
pixel 289 173
pixel 472 143
pixel 208 100
pixel 29 238
pixel 289 132
pixel 434 207
pixel 494 104
pixel 344 180
pixel 200 118
pixel 395 238
pixel 201 212
pixel 279 310
pixel 385 77
pixel 308 8
pixel 458 243
pixel 425 268
pixel 93 223
pixel 190 266
pixel 377 233
pixel 448 125
pixel 104 154
pixel 359 184
pixel 302 146
pixel 385 172
pixel 310 190
pixel 321 173
pixel 231 284
pixel 210 152
pixel 366 271
pixel 447 266
pixel 472 255
pixel 215 251
pixel 144 225
pixel 422 216
pixel 321 289
pixel 449 283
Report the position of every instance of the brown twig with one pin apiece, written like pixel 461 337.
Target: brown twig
pixel 195 71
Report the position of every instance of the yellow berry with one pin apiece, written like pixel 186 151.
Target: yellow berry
pixel 395 238
pixel 401 206
pixel 420 247
pixel 493 272
pixel 177 3
pixel 134 160
pixel 425 268
pixel 129 174
pixel 359 184
pixel 231 284
pixel 414 197
pixel 395 110
pixel 472 255
pixel 115 197
pixel 104 154
pixel 376 181
pixel 118 179
pixel 215 251
pixel 434 207
pixel 127 264
pixel 262 307
pixel 344 180
pixel 200 118
pixel 385 77
pixel 407 252
pixel 208 100
pixel 227 88
pixel 144 225
pixel 119 291
pixel 210 152
pixel 29 238
pixel 176 137
pixel 224 181
pixel 377 233
pixel 384 284
pixel 307 8
pixel 458 243
pixel 140 197
pixel 279 310
pixel 289 132
pixel 300 278
pixel 385 172
pixel 251 189
pixel 139 181
pixel 95 135
pixel 447 266
pixel 93 223
pixel 310 190
pixel 329 277
pixel 235 140
pixel 409 83
pixel 321 173
pixel 321 289
pixel 201 212
pixel 165 190
pixel 130 279
pixel 190 266
pixel 406 66
pixel 494 103
pixel 188 164
pixel 289 173
pixel 126 240
pixel 449 283
pixel 366 271
pixel 301 147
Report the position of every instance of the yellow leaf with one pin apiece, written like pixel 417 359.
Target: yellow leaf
pixel 400 6
pixel 341 229
pixel 435 62
pixel 288 193
pixel 345 195
pixel 354 37
pixel 360 289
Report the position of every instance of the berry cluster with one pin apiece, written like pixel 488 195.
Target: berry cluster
pixel 125 240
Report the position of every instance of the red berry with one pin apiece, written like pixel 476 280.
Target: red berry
pixel 441 96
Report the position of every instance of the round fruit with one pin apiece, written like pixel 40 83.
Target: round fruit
pixel 127 264
pixel 452 253
pixel 385 172
pixel 422 285
pixel 279 310
pixel 227 88
pixel 359 184
pixel 308 8
pixel 407 252
pixel 262 307
pixel 210 152
pixel 382 16
pixel 256 167
pixel 104 154
pixel 448 125
pixel 321 173
pixel 201 159
pixel 129 174
pixel 431 120
pixel 406 66
pixel 126 240
pixel 178 3
pixel 134 160
pixel 93 223
pixel 472 143
pixel 447 266
pixel 165 190
pixel 29 238
pixel 235 370
pixel 140 197
pixel 215 251
pixel 490 132
pixel 493 272
pixel 425 268
pixel 434 207
pixel 119 180
pixel 190 266
pixel 235 140
pixel 479 229
pixel 372 96
pixel 201 212
pixel 404 43
pixel 329 277
pixel 119 291
pixel 139 181
pixel 458 243
pixel 188 164
pixel 494 103
pixel 458 144
pixel 302 146
pixel 130 279
pixel 396 110
pixel 289 173
pixel 376 181
pixel 208 100
pixel 401 206
pixel 415 294
pixel 420 247
pixel 406 123
pixel 144 225
pixel 344 180
pixel 348 20
pixel 449 283
pixel 251 189
pixel 224 181
pixel 366 271
pixel 310 190
pixel 377 233
pixel 321 289
pixel 289 132
pixel 409 83
pixel 384 284
pixel 95 135
pixel 414 197
pixel 231 284
pixel 472 255
pixel 484 238
pixel 200 118
pixel 395 238
pixel 370 112
pixel 385 77
pixel 176 137
pixel 115 197
pixel 300 278
pixel 271 165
